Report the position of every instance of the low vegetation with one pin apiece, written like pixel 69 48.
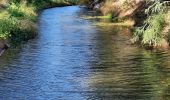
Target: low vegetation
pixel 12 19
pixel 18 17
pixel 151 18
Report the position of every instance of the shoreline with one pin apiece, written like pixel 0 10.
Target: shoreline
pixel 151 25
pixel 32 32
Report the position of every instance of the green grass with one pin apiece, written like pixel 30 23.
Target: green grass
pixel 12 20
pixel 6 27
pixel 22 11
pixel 18 19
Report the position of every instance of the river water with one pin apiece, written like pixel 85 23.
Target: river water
pixel 72 59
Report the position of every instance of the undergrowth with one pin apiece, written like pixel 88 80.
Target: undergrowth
pixel 18 18
pixel 11 20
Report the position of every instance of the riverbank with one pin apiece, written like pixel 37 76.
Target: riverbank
pixel 150 19
pixel 18 19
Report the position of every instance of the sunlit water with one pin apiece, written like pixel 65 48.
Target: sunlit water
pixel 72 59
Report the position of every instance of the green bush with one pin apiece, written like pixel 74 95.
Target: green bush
pixel 17 22
pixel 151 32
pixel 17 30
pixel 6 27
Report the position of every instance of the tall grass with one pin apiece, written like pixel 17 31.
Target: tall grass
pixel 21 11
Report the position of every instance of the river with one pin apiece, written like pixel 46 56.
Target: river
pixel 72 59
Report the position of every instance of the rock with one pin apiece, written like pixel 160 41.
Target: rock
pixel 4 44
pixel 1 43
pixel 97 6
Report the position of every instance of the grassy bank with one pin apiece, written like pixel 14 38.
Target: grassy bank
pixel 17 22
pixel 150 17
pixel 18 17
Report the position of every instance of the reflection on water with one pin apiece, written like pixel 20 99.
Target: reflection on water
pixel 73 60
pixel 124 72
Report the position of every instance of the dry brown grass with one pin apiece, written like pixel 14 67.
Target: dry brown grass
pixel 27 25
pixel 121 8
pixel 3 2
pixel 110 6
pixel 128 23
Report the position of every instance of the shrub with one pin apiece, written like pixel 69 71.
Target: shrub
pixel 152 35
pixel 17 23
pixel 151 32
pixel 6 27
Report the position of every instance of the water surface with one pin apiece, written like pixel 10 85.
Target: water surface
pixel 72 59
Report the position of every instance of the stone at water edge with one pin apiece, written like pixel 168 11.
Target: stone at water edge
pixel 3 46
